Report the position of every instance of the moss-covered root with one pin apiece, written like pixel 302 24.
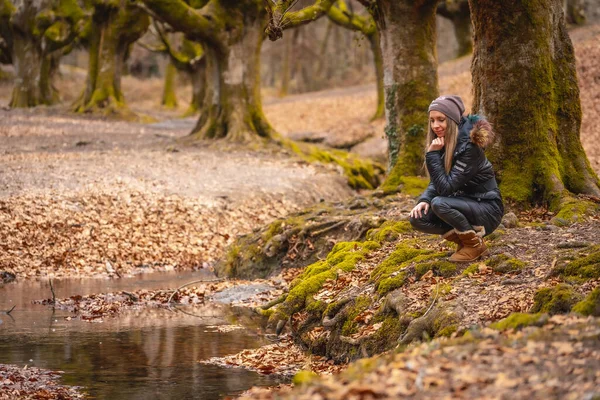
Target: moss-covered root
pixel 503 264
pixel 555 300
pixel 361 173
pixel 410 185
pixel 405 261
pixel 520 320
pixel 590 305
pixel 442 320
pixel 305 237
pixel 584 267
pixel 570 210
pixel 342 258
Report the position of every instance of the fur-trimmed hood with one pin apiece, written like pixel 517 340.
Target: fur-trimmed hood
pixel 477 130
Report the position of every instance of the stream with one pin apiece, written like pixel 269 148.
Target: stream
pixel 140 354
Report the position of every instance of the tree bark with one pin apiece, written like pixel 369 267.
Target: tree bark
pixel 169 98
pixel 525 82
pixel 232 106
pixel 462 30
pixel 27 63
pixel 378 62
pixel 408 40
pixel 286 67
pixel 115 29
pixel 198 79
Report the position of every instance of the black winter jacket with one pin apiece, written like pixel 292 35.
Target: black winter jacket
pixel 471 174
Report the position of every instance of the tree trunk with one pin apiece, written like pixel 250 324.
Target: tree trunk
pixel 114 31
pixel 378 61
pixel 286 67
pixel 48 71
pixel 232 107
pixel 198 79
pixel 462 30
pixel 169 98
pixel 27 62
pixel 408 40
pixel 524 80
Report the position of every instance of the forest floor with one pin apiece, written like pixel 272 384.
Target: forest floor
pixel 84 197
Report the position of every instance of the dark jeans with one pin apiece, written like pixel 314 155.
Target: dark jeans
pixel 460 213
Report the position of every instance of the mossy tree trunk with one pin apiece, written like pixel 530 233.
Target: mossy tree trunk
pixel 169 98
pixel 286 67
pixel 188 57
pixel 378 61
pixel 234 108
pixel 408 43
pixel 35 34
pixel 525 81
pixel 462 30
pixel 459 13
pixel 198 79
pixel 27 62
pixel 115 28
pixel 33 66
pixel 575 11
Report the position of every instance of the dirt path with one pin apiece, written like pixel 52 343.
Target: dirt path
pixel 78 195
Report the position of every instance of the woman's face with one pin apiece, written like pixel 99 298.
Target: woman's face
pixel 438 122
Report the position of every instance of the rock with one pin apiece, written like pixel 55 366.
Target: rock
pixel 240 293
pixel 308 137
pixel 549 228
pixel 374 148
pixel 510 220
pixel 560 221
pixel 7 277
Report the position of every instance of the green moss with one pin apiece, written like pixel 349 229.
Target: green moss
pixel 590 305
pixel 386 336
pixel 555 300
pixel 317 307
pixel 497 234
pixel 304 377
pixel 389 231
pixel 585 267
pixel 265 313
pixel 360 304
pixel 439 267
pixel 393 271
pixel 393 282
pixel 445 323
pixel 573 210
pixel 343 257
pixel 471 269
pixel 361 174
pixel 447 331
pixel 510 265
pixel 410 185
pixel 517 321
pixel 502 264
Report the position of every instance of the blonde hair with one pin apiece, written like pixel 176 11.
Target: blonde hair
pixel 449 142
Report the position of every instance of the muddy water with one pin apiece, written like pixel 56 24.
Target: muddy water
pixel 143 354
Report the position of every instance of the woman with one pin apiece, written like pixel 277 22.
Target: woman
pixel 462 202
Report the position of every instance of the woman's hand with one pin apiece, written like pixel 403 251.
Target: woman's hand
pixel 436 144
pixel 420 209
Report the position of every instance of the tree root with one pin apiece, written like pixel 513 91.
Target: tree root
pixel 297 240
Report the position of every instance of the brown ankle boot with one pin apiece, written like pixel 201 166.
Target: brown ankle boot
pixel 474 246
pixel 452 236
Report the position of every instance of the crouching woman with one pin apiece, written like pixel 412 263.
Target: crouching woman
pixel 462 202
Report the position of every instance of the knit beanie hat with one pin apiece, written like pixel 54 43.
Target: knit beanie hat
pixel 451 106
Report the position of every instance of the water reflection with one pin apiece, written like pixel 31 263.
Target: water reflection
pixel 144 354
